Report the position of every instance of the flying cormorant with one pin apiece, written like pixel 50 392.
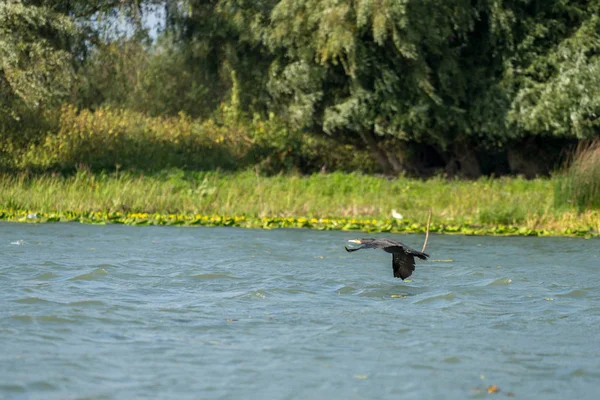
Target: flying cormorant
pixel 403 257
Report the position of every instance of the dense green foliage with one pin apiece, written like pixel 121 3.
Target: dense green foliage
pixel 456 75
pixel 461 87
pixel 35 70
pixel 34 58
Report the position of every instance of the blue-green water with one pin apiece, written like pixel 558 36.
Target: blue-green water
pixel 118 312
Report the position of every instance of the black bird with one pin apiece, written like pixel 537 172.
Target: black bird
pixel 403 257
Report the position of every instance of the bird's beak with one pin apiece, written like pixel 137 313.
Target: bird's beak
pixel 354 241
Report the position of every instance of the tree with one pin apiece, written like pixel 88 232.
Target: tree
pixel 459 76
pixel 558 72
pixel 221 43
pixel 35 65
pixel 372 71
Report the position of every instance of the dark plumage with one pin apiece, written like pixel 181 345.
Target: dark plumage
pixel 403 257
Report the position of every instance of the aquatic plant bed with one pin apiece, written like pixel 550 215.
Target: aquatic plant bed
pixel 345 224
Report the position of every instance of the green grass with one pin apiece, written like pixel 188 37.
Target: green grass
pixel 507 205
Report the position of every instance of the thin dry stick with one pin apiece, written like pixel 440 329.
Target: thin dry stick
pixel 427 232
pixel 259 189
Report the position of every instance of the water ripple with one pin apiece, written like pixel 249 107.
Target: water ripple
pixel 214 276
pixel 148 313
pixel 97 273
pixel 436 297
pixel 31 300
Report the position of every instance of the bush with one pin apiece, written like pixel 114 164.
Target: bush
pixel 579 184
pixel 108 139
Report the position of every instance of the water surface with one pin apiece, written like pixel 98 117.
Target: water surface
pixel 121 312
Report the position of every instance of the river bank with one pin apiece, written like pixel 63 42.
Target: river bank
pixel 334 201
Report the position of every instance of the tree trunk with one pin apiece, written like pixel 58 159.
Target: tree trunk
pixel 396 164
pixel 463 162
pixel 379 155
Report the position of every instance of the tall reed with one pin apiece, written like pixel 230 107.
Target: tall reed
pixel 578 185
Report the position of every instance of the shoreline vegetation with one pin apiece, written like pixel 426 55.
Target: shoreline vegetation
pixel 295 106
pixel 332 201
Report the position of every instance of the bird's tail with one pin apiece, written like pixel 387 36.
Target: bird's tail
pixel 421 255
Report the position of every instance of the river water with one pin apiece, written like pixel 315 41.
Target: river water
pixel 121 312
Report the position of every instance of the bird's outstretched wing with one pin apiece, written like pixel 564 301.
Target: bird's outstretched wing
pixel 351 250
pixel 402 248
pixel 404 265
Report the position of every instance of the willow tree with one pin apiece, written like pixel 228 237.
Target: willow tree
pixel 35 66
pixel 219 42
pixel 365 71
pixel 557 72
pixel 551 70
pixel 457 75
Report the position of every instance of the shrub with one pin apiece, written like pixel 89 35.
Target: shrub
pixel 108 139
pixel 579 184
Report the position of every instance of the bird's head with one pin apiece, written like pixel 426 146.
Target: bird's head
pixel 357 241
